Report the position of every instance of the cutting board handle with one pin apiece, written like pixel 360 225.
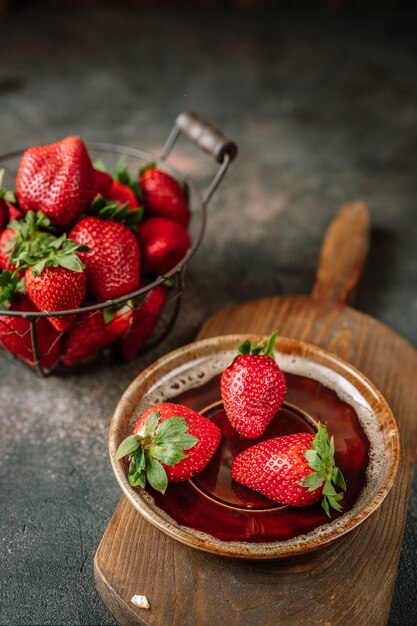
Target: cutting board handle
pixel 342 257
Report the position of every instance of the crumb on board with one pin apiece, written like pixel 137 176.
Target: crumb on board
pixel 141 601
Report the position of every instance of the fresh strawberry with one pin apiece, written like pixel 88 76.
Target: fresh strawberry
pixel 92 333
pixel 296 469
pixel 142 320
pixel 16 338
pixel 253 388
pixel 103 182
pixel 163 243
pixel 122 194
pixel 163 195
pixel 160 438
pixel 56 289
pixel 5 251
pixel 15 213
pixel 113 262
pixel 58 179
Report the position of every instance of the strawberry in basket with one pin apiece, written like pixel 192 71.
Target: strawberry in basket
pixel 113 260
pixel 58 179
pixel 163 195
pixel 54 276
pixel 16 338
pixel 163 244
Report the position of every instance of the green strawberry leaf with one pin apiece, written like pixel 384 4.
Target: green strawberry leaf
pixel 245 347
pixel 151 423
pixel 71 262
pixel 128 445
pixel 312 481
pixel 112 210
pixel 168 454
pixel 10 286
pixel 156 475
pixel 321 459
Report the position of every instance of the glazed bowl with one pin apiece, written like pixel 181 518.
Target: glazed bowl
pixel 212 513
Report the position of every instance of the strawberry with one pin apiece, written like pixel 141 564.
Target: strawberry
pixel 122 194
pixel 296 470
pixel 103 182
pixel 56 289
pixel 15 336
pixel 163 243
pixel 163 195
pixel 161 437
pixel 113 262
pixel 253 388
pixel 58 179
pixel 141 323
pixel 6 249
pixel 92 333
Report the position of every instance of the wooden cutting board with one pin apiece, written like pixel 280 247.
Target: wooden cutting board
pixel 352 581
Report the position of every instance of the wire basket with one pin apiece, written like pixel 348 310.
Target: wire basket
pixel 25 336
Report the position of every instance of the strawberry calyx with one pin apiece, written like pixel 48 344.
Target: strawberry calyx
pixel 260 348
pixel 160 443
pixel 35 246
pixel 112 210
pixel 122 175
pixel 321 459
pixel 10 286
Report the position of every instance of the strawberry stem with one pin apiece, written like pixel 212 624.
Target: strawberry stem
pixel 321 459
pixel 161 443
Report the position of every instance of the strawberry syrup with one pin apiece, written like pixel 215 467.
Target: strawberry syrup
pixel 215 504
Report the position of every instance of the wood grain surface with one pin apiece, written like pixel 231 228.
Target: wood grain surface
pixel 350 582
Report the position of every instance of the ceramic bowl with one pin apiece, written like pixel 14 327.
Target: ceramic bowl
pixel 213 513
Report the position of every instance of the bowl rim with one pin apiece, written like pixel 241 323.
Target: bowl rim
pixel 208 543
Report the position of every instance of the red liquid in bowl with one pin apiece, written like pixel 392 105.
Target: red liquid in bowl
pixel 215 504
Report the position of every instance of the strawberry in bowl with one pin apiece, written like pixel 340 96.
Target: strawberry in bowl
pixel 170 443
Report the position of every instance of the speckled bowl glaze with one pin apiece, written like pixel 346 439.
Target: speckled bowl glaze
pixel 189 370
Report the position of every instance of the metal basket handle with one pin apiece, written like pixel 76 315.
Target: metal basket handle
pixel 209 139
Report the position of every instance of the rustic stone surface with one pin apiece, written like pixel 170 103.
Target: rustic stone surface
pixel 324 109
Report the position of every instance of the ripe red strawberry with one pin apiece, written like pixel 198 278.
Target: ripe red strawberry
pixel 296 469
pixel 141 322
pixel 163 195
pixel 122 194
pixel 113 263
pixel 58 179
pixel 253 388
pixel 92 333
pixel 163 243
pixel 6 236
pixel 103 182
pixel 15 336
pixel 56 289
pixel 170 442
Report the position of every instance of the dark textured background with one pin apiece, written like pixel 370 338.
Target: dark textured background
pixel 324 108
